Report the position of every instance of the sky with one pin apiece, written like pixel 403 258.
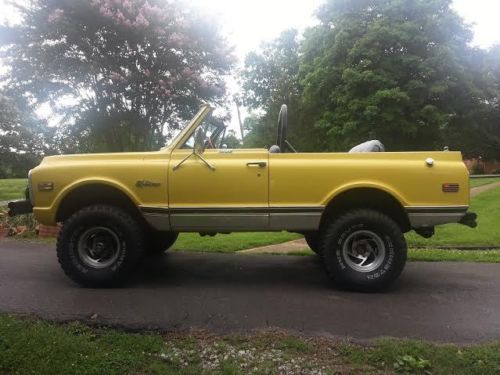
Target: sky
pixel 247 23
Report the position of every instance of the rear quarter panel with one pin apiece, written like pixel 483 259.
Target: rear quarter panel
pixel 312 179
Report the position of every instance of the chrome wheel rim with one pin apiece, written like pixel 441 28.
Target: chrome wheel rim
pixel 99 247
pixel 363 251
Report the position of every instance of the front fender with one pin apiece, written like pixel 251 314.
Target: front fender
pixel 47 214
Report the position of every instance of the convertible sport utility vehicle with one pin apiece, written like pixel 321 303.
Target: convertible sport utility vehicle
pixel 352 208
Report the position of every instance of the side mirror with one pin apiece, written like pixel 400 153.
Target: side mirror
pixel 199 141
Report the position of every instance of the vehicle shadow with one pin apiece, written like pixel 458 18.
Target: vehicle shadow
pixel 205 270
pixel 213 269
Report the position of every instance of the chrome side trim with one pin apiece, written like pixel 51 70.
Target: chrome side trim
pixel 428 216
pixel 214 222
pixel 430 209
pixel 239 219
pixel 158 221
pixel 295 221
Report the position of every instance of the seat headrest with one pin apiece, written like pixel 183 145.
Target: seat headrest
pixel 274 149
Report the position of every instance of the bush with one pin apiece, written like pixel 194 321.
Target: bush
pixel 477 168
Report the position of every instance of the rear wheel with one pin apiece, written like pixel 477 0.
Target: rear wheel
pixel 363 250
pixel 100 246
pixel 159 242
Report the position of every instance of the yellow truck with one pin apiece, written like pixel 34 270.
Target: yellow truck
pixel 352 208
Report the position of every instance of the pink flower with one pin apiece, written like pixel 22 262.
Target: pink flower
pixel 116 76
pixel 119 17
pixel 58 13
pixel 105 12
pixel 127 5
pixel 186 72
pixel 177 39
pixel 152 10
pixel 141 21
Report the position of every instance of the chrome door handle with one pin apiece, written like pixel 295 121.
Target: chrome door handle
pixel 260 164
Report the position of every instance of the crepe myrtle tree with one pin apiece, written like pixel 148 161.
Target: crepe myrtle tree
pixel 121 75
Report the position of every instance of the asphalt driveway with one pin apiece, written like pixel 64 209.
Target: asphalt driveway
pixel 448 302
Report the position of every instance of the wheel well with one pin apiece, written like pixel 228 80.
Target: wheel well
pixel 367 198
pixel 94 194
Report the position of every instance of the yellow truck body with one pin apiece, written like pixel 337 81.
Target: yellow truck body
pixel 287 191
pixel 352 208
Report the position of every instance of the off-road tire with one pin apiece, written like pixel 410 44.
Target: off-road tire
pixel 313 241
pixel 363 229
pixel 124 228
pixel 158 242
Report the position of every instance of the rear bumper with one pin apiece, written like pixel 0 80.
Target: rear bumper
pixel 469 219
pixel 421 217
pixel 20 207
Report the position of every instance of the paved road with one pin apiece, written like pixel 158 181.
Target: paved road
pixel 449 302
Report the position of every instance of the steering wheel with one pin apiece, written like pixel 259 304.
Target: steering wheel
pixel 281 140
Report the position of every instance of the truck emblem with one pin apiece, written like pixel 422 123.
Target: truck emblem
pixel 146 183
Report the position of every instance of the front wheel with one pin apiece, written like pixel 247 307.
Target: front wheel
pixel 100 246
pixel 364 250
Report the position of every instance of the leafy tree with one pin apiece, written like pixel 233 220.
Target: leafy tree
pixel 231 140
pixel 477 130
pixel 258 132
pixel 491 145
pixel 21 140
pixel 270 78
pixel 122 75
pixel 397 70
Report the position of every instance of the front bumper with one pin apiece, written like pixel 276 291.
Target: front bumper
pixel 20 207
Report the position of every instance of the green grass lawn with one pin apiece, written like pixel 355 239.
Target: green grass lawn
pixel 439 255
pixel 30 346
pixel 483 181
pixel 227 243
pixel 487 233
pixel 12 188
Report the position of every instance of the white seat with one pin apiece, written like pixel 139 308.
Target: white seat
pixel 369 146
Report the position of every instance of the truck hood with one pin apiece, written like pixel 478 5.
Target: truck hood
pixel 77 158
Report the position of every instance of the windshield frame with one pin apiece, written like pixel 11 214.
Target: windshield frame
pixel 185 133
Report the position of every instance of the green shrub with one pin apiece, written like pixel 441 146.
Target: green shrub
pixel 477 168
